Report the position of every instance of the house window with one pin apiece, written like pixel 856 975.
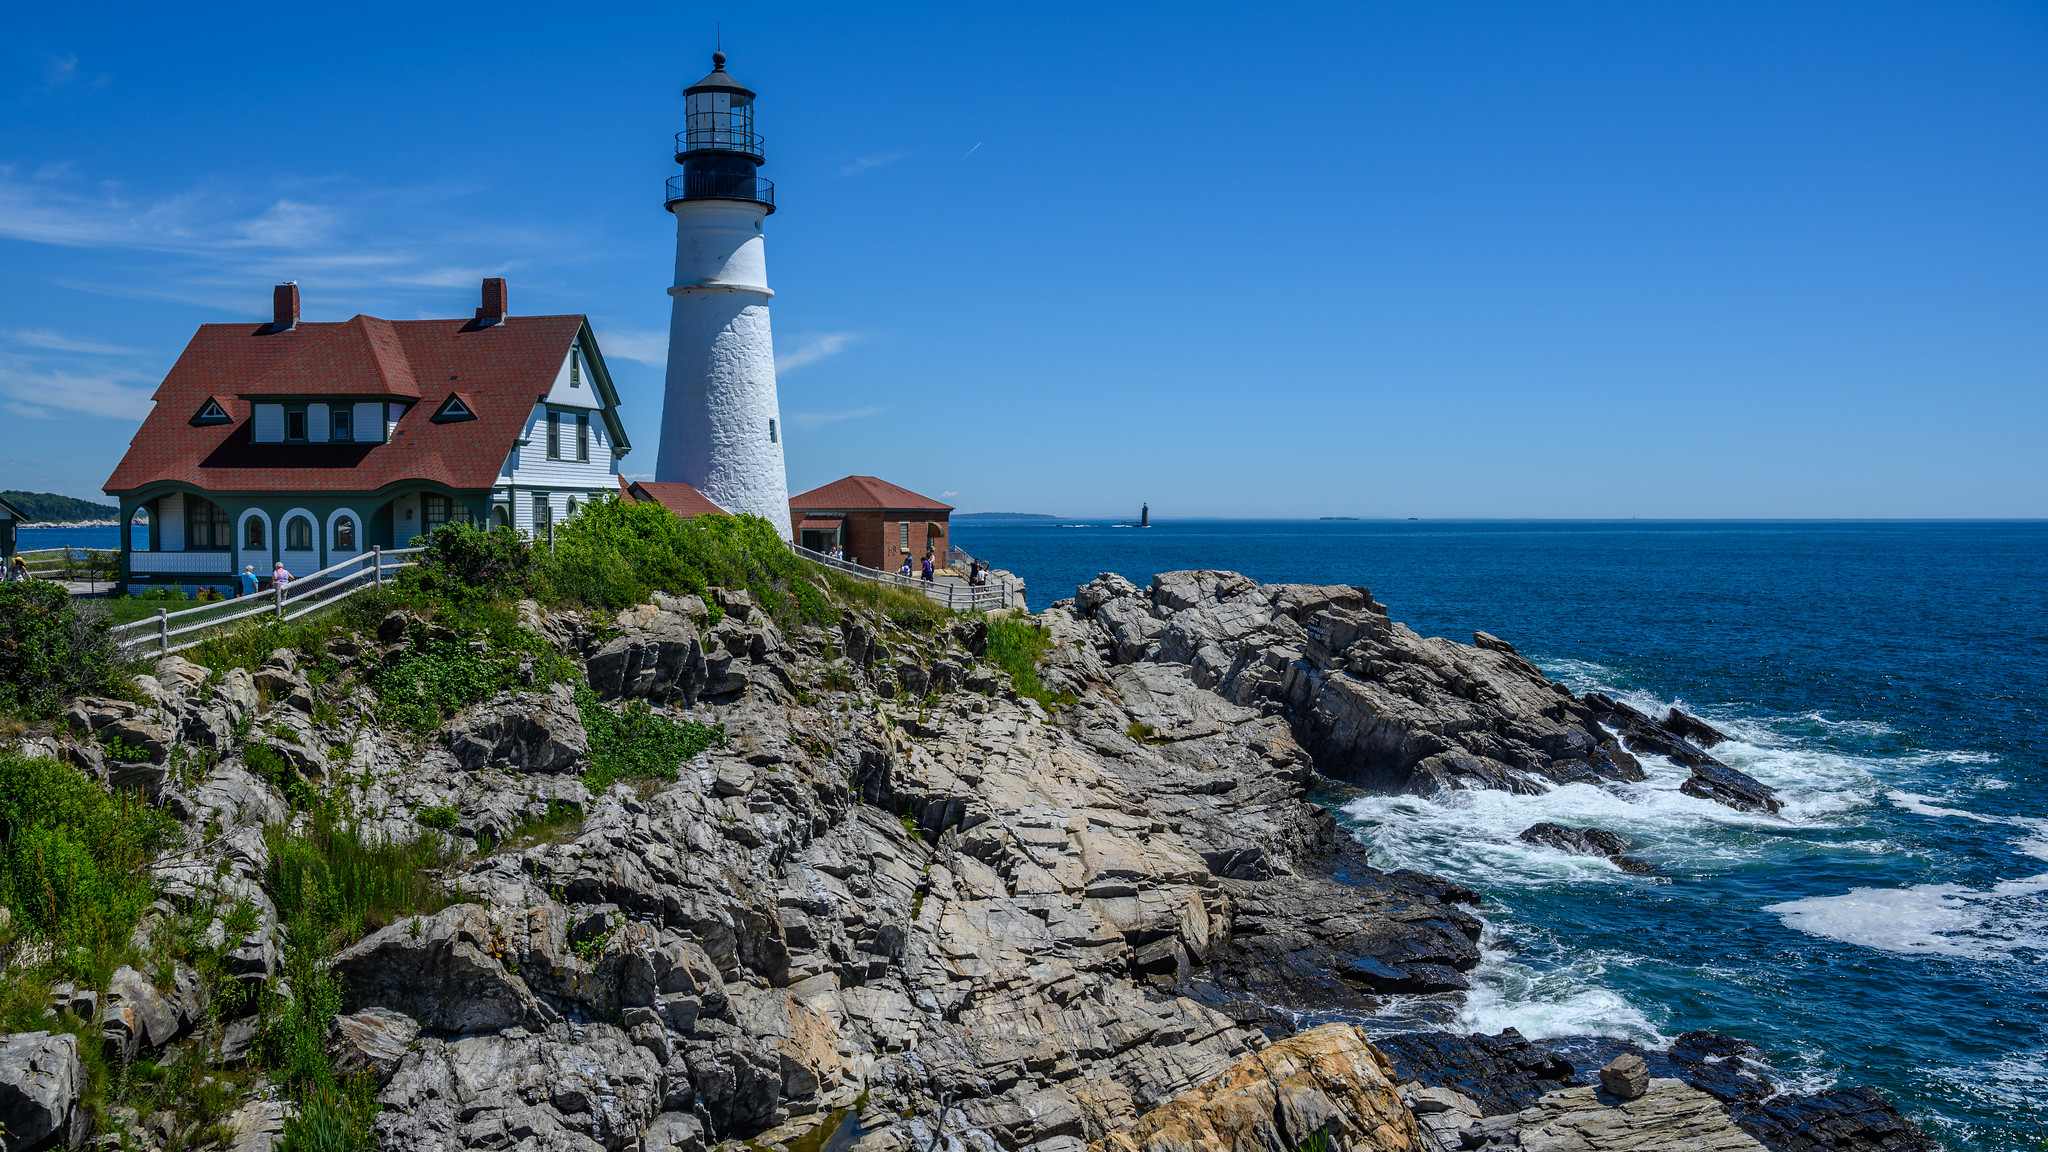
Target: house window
pixel 206 525
pixel 340 425
pixel 771 431
pixel 252 532
pixel 903 536
pixel 298 533
pixel 575 370
pixel 554 435
pixel 583 437
pixel 572 506
pixel 434 511
pixel 543 514
pixel 344 535
pixel 295 424
pixel 501 516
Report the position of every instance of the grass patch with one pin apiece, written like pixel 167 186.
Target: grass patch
pixel 562 821
pixel 1016 646
pixel 903 607
pixel 439 817
pixel 612 554
pixel 332 887
pixel 637 744
pixel 1140 731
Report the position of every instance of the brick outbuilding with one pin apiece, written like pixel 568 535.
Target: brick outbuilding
pixel 878 523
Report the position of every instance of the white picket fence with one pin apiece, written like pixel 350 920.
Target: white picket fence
pixel 176 631
pixel 954 594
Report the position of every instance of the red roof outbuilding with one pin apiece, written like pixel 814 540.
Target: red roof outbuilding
pixel 673 495
pixel 864 493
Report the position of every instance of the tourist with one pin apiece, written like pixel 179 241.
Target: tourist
pixel 280 577
pixel 905 570
pixel 929 569
pixel 17 571
pixel 246 585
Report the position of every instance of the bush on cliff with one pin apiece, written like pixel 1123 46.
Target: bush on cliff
pixel 51 649
pixel 463 563
pixel 612 554
pixel 638 744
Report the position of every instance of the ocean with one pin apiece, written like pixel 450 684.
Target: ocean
pixel 1888 928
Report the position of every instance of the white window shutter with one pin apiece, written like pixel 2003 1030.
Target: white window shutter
pixel 369 422
pixel 267 425
pixel 316 423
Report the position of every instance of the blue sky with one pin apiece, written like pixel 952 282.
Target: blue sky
pixel 1378 260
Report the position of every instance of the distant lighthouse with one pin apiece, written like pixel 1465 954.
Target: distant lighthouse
pixel 721 428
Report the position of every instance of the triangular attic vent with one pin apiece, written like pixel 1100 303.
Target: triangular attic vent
pixel 453 409
pixel 212 413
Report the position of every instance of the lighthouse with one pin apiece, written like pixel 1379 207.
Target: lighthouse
pixel 721 429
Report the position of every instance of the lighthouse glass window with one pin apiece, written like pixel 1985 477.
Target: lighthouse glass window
pixel 720 120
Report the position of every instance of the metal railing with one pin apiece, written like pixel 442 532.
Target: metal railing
pixel 955 593
pixel 64 564
pixel 295 598
pixel 720 186
pixel 693 140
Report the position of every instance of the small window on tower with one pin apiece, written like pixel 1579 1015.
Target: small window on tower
pixel 771 431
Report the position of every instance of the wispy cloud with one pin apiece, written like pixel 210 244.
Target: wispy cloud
pixel 59 342
pixel 818 419
pixel 811 349
pixel 943 495
pixel 387 248
pixel 635 344
pixel 872 160
pixel 62 72
pixel 32 390
pixel 971 151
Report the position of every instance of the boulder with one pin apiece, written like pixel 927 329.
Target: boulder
pixel 443 970
pixel 529 732
pixel 1328 1083
pixel 1724 785
pixel 42 1081
pixel 373 1040
pixel 1586 842
pixel 1669 1114
pixel 659 653
pixel 1625 1077
pixel 1694 729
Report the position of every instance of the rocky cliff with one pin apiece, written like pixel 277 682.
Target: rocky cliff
pixel 898 903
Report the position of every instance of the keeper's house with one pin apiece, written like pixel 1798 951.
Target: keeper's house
pixel 311 443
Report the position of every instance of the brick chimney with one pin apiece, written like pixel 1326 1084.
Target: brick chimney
pixel 494 308
pixel 284 307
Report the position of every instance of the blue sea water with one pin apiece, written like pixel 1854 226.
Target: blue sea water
pixel 1889 928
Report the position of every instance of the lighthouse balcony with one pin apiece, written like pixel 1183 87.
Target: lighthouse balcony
pixel 720 186
pixel 709 140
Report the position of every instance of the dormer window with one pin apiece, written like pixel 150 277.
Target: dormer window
pixel 341 417
pixel 295 424
pixel 453 409
pixel 211 413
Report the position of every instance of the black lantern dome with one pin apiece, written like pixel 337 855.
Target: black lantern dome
pixel 718 148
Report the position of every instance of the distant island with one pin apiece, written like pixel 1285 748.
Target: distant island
pixel 1337 517
pixel 50 508
pixel 1002 516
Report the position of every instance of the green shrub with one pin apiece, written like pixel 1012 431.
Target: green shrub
pixel 51 649
pixel 1016 646
pixel 612 553
pixel 71 867
pixel 637 744
pixel 440 817
pixel 271 765
pixel 439 678
pixel 463 563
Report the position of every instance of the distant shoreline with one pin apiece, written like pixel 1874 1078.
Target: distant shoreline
pixel 71 524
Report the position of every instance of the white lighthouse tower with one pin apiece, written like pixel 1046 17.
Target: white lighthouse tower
pixel 721 428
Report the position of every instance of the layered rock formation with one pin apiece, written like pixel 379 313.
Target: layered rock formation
pixel 895 881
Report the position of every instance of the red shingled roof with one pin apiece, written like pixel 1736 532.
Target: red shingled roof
pixel 501 371
pixel 857 493
pixel 675 496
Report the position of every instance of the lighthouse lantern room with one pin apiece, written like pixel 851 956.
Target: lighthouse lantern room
pixel 721 426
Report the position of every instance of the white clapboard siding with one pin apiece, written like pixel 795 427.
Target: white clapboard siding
pixel 267 427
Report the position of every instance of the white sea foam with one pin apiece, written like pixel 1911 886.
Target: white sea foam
pixel 1564 1001
pixel 1936 919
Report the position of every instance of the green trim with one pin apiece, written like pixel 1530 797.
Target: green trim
pixel 601 379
